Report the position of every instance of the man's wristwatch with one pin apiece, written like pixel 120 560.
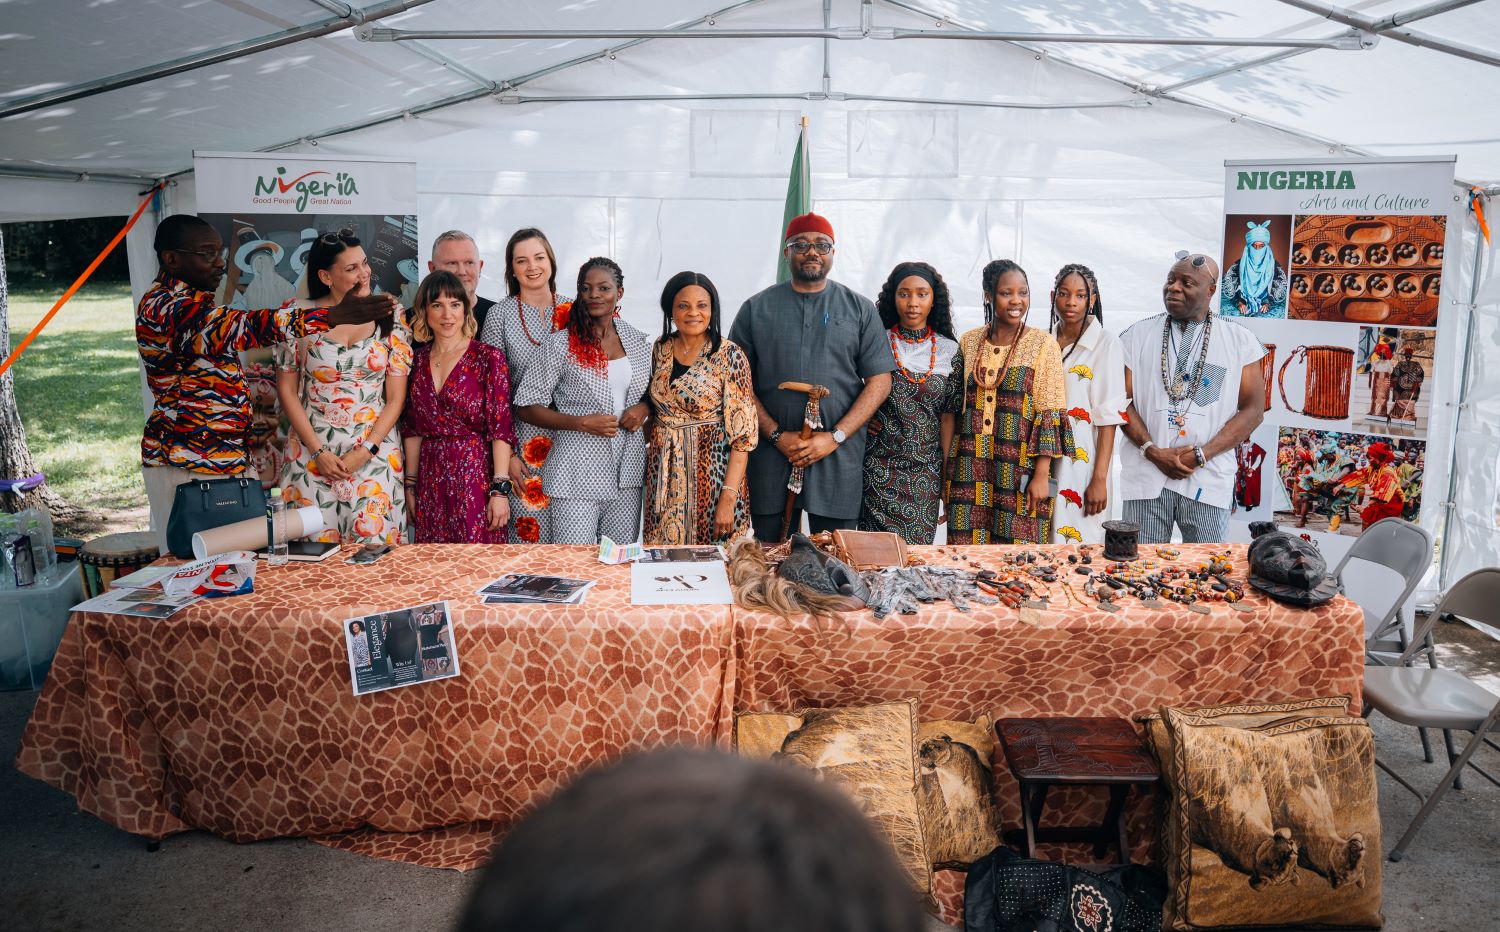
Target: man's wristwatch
pixel 839 436
pixel 500 487
pixel 1146 447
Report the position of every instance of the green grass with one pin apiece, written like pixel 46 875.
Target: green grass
pixel 78 388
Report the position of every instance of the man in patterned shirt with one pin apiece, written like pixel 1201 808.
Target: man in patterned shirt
pixel 200 420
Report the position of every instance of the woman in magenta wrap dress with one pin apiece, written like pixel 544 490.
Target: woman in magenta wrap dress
pixel 457 429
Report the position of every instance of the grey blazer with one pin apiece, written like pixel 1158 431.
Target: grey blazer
pixel 581 465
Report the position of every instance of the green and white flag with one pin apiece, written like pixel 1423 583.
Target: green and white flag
pixel 798 200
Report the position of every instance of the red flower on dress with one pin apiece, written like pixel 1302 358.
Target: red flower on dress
pixel 534 451
pixel 532 494
pixel 528 529
pixel 560 315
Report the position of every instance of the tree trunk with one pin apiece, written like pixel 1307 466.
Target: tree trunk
pixel 15 455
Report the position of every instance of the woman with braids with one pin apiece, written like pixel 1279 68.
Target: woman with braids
pixel 518 324
pixel 704 427
pixel 588 383
pixel 913 428
pixel 1094 377
pixel 1011 421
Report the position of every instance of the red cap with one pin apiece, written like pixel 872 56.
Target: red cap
pixel 1380 452
pixel 808 223
pixel 1408 349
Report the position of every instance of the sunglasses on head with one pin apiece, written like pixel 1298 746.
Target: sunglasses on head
pixel 333 239
pixel 1198 258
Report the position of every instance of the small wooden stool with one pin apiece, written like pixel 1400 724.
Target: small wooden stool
pixel 1044 752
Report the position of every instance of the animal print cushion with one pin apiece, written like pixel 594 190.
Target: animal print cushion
pixel 1254 715
pixel 867 752
pixel 1274 826
pixel 955 793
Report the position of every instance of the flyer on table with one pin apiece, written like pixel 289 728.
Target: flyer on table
pixel 399 648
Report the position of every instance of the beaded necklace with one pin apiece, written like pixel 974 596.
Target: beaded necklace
pixel 928 334
pixel 980 368
pixel 521 313
pixel 1179 385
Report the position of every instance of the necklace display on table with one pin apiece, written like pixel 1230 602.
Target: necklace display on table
pixel 521 307
pixel 930 335
pixel 1178 384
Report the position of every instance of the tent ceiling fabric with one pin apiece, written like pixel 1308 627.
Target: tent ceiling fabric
pixel 1393 99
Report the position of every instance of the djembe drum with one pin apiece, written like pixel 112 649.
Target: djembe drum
pixel 1329 372
pixel 107 558
pixel 1267 369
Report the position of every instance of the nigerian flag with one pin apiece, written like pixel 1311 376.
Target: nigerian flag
pixel 798 199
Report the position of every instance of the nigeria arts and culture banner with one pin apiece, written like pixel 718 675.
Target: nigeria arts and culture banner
pixel 269 209
pixel 1337 266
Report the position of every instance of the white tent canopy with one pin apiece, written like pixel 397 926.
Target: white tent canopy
pixel 986 135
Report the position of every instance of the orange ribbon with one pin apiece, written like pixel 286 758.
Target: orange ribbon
pixel 73 289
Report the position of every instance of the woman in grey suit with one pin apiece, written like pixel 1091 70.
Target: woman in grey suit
pixel 588 383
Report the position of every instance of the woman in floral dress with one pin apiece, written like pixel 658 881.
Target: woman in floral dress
pixel 458 429
pixel 705 428
pixel 913 428
pixel 342 392
pixel 1011 421
pixel 518 325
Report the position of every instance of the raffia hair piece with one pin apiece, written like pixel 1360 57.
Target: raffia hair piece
pixel 759 589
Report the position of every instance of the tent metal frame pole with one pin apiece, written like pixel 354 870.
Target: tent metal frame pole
pixel 1460 404
pixel 846 33
pixel 1377 28
pixel 202 59
pixel 346 11
pixel 45 173
pixel 1393 31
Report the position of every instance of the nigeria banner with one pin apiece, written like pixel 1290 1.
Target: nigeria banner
pixel 1338 267
pixel 269 209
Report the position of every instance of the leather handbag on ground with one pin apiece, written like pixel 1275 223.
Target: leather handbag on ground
pixel 1005 892
pixel 210 503
pixel 870 550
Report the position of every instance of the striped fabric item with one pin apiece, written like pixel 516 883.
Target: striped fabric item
pixel 201 417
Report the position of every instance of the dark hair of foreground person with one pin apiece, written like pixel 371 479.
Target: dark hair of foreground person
pixel 693 841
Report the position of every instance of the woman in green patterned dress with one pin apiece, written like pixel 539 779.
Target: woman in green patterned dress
pixel 911 431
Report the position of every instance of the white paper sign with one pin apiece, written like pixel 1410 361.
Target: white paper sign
pixel 679 584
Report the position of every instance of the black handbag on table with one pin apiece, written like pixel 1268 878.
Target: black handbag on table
pixel 1005 892
pixel 210 503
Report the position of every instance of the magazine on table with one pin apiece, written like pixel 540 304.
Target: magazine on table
pixel 527 587
pixel 147 577
pixel 708 554
pixel 138 603
pixel 410 645
pixel 679 584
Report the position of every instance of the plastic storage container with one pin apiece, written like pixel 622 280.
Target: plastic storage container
pixel 32 621
pixel 37 524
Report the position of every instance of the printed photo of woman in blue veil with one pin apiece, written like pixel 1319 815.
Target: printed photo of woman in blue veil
pixel 1255 283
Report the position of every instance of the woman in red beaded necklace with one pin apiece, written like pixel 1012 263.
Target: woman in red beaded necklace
pixel 911 430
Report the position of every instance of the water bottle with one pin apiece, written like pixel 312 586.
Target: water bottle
pixel 277 552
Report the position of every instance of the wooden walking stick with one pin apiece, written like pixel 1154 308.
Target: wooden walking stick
pixel 811 419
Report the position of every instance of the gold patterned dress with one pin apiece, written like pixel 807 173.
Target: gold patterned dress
pixel 701 416
pixel 1009 412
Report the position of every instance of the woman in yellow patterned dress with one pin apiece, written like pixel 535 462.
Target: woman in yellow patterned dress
pixel 342 392
pixel 704 429
pixel 1010 421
